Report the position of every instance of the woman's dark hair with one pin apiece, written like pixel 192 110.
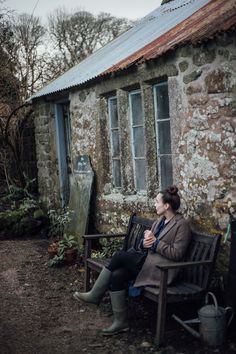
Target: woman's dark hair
pixel 170 195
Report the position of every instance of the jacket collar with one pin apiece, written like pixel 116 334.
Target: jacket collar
pixel 169 226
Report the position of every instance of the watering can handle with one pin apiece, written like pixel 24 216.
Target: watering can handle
pixel 231 316
pixel 214 299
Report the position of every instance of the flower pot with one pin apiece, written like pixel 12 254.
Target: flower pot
pixel 70 255
pixel 52 249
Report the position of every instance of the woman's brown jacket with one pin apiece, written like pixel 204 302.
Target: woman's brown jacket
pixel 173 243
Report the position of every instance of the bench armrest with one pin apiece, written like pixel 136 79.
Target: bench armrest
pixel 182 265
pixel 97 236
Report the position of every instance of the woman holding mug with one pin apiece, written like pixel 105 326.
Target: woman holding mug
pixel 167 241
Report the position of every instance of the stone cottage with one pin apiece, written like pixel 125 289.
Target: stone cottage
pixel 155 106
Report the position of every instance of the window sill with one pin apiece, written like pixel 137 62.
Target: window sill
pixel 118 197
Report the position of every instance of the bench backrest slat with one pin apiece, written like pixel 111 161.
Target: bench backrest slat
pixel 202 247
pixel 136 228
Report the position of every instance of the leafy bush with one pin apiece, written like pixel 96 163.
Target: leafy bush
pixel 29 205
pixel 108 247
pixel 18 193
pixel 67 242
pixel 22 218
pixel 58 221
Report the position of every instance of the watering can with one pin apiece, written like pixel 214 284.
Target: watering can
pixel 212 320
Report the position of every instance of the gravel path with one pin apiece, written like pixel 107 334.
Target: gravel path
pixel 39 316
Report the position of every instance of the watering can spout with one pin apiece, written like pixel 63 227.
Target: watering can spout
pixel 187 327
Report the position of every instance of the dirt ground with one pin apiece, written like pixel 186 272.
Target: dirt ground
pixel 38 314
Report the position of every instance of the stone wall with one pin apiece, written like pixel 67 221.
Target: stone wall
pixel 201 82
pixel 48 184
pixel 204 113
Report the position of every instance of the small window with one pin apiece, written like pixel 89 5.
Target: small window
pixel 163 134
pixel 115 141
pixel 138 141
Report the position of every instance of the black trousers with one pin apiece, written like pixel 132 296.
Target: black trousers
pixel 124 267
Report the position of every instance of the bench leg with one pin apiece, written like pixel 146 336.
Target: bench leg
pixel 161 309
pixel 88 244
pixel 87 278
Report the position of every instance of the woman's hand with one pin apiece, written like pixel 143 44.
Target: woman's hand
pixel 149 239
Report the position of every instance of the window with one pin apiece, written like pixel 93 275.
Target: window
pixel 115 141
pixel 138 141
pixel 163 133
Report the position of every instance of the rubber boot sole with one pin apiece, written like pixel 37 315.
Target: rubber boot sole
pixel 76 297
pixel 122 330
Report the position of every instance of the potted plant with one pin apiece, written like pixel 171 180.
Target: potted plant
pixel 53 249
pixel 68 245
pixel 66 250
pixel 58 220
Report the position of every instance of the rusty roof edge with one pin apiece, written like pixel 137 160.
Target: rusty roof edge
pixel 176 42
pixel 201 36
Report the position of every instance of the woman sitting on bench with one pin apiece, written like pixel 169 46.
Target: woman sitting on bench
pixel 166 242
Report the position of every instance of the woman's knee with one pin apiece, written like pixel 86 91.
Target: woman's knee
pixel 118 280
pixel 117 261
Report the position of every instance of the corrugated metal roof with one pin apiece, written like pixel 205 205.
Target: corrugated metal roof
pixel 216 16
pixel 169 25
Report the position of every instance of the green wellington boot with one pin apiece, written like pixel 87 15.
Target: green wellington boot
pixel 119 308
pixel 100 286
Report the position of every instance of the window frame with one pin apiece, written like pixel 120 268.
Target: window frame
pixel 109 99
pixel 157 120
pixel 134 158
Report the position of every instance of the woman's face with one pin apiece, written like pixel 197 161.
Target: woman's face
pixel 160 206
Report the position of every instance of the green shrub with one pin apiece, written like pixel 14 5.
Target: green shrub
pixel 58 221
pixel 108 247
pixel 23 218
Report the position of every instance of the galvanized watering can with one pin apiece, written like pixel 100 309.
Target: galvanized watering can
pixel 212 320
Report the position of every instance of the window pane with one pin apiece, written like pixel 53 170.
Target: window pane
pixel 164 140
pixel 137 109
pixel 166 171
pixel 138 141
pixel 113 112
pixel 140 174
pixel 162 101
pixel 116 173
pixel 115 143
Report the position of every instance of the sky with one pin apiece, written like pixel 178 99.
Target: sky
pixel 131 9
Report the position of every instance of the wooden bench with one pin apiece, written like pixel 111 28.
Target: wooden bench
pixel 193 280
